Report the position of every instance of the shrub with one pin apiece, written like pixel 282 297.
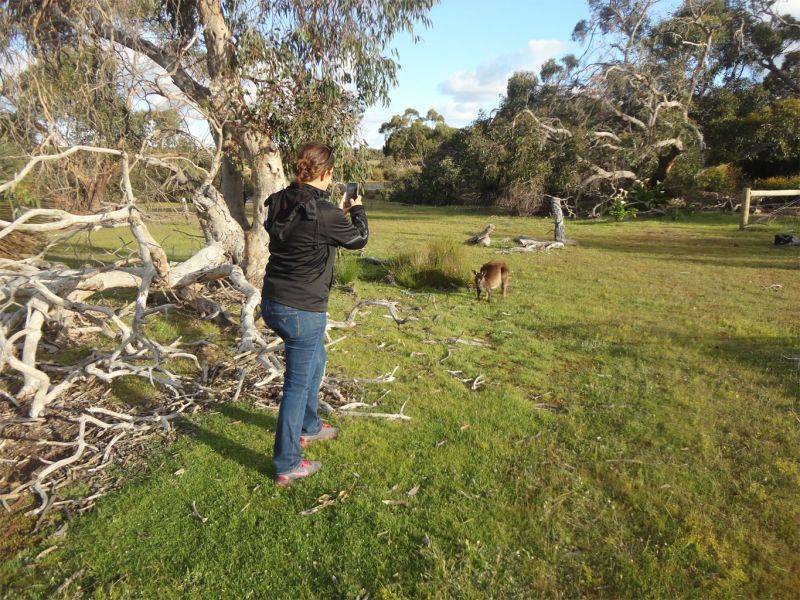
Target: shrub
pixel 681 178
pixel 650 197
pixel 724 179
pixel 404 189
pixel 781 182
pixel 618 209
pixel 436 264
pixel 347 268
pixel 524 198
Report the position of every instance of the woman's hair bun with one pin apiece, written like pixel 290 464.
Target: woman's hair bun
pixel 303 169
pixel 313 160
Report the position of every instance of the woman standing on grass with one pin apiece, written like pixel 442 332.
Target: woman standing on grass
pixel 304 231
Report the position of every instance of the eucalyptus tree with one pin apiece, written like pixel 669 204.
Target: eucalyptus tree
pixel 245 79
pixel 71 100
pixel 621 112
pixel 260 74
pixel 411 136
pixel 761 44
pixel 643 75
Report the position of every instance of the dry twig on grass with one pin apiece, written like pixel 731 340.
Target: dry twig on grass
pixel 325 501
pixel 474 383
pixel 196 514
pixel 391 306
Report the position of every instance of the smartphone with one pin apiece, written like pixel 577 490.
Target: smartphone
pixel 352 192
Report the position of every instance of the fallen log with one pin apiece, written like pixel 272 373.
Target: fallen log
pixel 482 238
pixel 532 245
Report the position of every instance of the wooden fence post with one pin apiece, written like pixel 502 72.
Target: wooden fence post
pixel 745 209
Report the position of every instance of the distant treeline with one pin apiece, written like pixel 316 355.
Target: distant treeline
pixel 692 105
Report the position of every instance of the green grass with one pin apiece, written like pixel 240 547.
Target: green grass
pixel 673 471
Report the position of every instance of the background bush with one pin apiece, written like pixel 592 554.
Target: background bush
pixel 724 179
pixel 782 182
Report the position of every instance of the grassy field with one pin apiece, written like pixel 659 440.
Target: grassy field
pixel 668 467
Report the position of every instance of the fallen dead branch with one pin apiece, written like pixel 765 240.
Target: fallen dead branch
pixel 469 342
pixel 69 580
pixel 474 383
pixel 395 502
pixel 482 238
pixel 385 378
pixel 551 406
pixel 532 245
pixel 398 416
pixel 391 307
pixel 105 434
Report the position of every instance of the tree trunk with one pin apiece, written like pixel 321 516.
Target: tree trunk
pixel 558 218
pixel 218 224
pixel 232 188
pixel 267 177
pixel 254 148
pixel 90 183
pixel 96 189
pixel 665 164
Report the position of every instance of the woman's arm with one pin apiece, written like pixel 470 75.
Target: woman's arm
pixel 352 233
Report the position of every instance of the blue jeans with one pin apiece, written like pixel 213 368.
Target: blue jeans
pixel 303 334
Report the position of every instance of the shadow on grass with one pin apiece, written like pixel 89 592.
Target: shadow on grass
pixel 434 280
pixel 765 355
pixel 373 273
pixel 266 421
pixel 715 251
pixel 424 281
pixel 259 461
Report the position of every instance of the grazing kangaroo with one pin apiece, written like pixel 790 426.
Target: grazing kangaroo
pixel 492 275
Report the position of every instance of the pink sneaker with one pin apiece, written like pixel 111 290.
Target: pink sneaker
pixel 326 433
pixel 306 469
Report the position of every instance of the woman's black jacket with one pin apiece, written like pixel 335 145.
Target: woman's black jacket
pixel 304 231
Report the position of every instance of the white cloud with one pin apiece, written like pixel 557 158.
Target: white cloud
pixel 488 80
pixel 371 123
pixel 459 114
pixel 791 7
pixel 464 93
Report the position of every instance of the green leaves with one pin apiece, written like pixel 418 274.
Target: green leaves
pixel 412 137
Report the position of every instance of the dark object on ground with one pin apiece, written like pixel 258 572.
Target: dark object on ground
pixel 787 239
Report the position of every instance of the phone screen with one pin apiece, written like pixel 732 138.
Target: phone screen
pixel 352 190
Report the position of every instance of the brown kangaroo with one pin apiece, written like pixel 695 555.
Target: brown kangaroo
pixel 492 275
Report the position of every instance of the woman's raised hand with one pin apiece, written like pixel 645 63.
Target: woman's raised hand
pixel 345 206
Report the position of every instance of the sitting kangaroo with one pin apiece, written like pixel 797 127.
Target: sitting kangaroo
pixel 492 275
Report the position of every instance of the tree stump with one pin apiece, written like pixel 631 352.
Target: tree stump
pixel 558 218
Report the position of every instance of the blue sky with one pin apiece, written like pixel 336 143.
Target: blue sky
pixel 464 59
